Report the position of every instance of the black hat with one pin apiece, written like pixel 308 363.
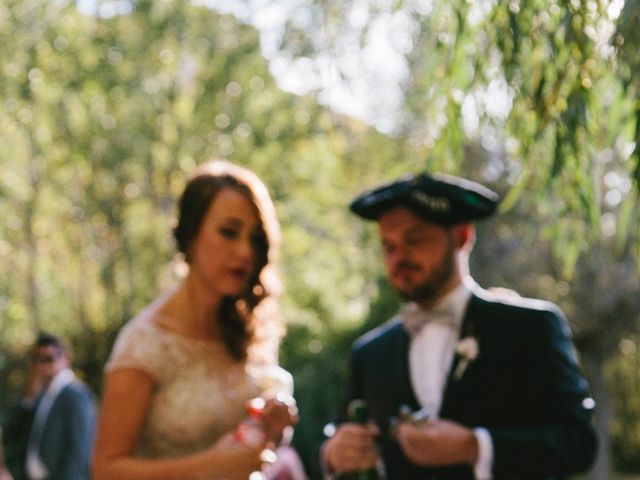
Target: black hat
pixel 439 198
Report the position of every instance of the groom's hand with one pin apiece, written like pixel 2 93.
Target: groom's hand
pixel 437 443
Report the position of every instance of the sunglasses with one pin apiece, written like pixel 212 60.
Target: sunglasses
pixel 46 358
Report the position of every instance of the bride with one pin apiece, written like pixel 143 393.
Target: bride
pixel 183 370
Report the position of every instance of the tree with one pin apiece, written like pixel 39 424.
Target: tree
pixel 546 87
pixel 99 130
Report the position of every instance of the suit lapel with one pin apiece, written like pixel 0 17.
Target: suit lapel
pixel 389 372
pixel 405 391
pixel 455 392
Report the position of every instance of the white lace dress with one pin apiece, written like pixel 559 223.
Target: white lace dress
pixel 200 391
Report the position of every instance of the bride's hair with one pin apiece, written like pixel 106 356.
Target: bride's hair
pixel 249 322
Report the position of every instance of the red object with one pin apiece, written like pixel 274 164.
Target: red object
pixel 255 407
pixel 251 431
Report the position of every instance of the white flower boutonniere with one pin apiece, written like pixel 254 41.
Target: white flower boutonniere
pixel 468 350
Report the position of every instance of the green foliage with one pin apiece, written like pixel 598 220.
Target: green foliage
pixel 559 128
pixel 126 118
pixel 546 88
pixel 627 39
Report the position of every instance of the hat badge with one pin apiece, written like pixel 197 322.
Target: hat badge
pixel 435 204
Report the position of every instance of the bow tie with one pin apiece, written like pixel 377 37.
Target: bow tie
pixel 414 317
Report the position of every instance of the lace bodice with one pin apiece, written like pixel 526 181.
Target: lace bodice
pixel 200 390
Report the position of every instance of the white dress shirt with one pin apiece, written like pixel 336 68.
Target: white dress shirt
pixel 431 352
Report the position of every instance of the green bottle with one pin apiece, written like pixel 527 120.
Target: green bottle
pixel 357 413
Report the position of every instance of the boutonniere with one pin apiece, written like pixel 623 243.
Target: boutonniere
pixel 467 349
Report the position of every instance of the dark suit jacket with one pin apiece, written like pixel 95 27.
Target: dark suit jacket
pixel 67 438
pixel 525 387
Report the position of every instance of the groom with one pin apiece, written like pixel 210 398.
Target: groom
pixel 495 373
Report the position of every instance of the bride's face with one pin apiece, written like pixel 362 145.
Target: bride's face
pixel 223 254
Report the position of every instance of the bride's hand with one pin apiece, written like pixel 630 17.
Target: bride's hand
pixel 237 459
pixel 279 413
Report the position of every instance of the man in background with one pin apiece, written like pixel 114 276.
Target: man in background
pixel 50 433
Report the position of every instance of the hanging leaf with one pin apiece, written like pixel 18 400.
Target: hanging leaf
pixel 635 155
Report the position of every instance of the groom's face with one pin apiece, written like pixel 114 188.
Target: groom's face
pixel 420 256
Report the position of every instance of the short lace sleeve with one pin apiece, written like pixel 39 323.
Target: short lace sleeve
pixel 138 345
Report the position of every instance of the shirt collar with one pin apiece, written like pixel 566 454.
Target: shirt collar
pixel 456 302
pixel 60 380
pixel 451 308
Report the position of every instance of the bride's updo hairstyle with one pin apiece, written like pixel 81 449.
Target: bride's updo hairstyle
pixel 249 319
